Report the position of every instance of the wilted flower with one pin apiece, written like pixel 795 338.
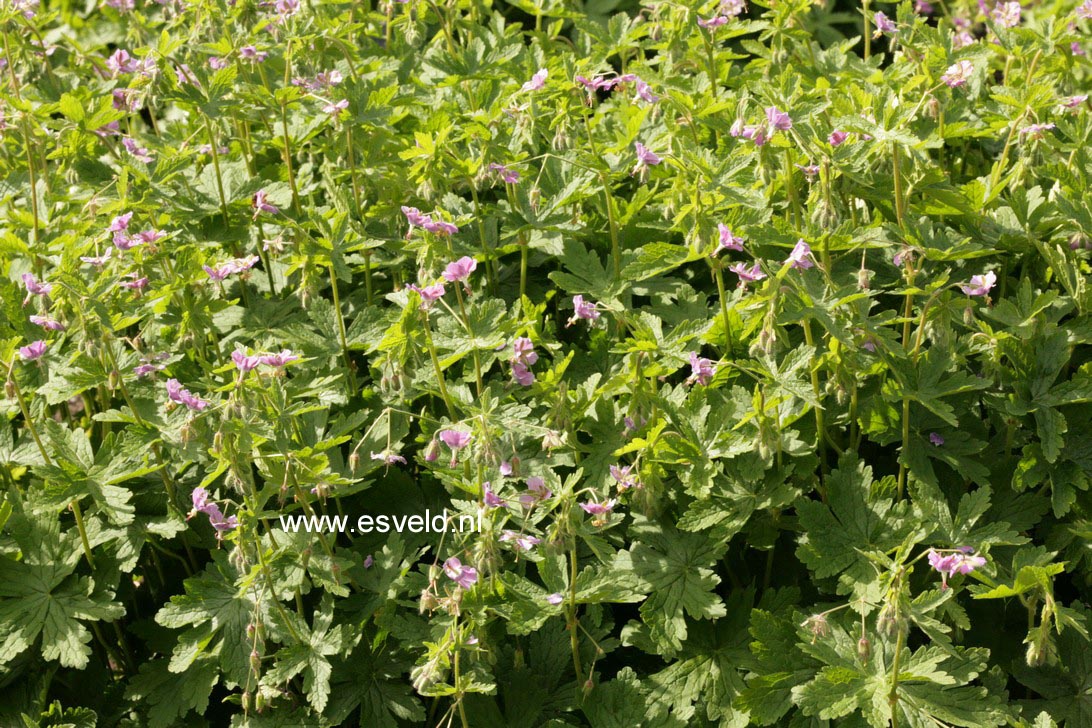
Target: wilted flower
pixel 702 369
pixel 460 270
pixel 388 457
pixel 97 260
pixel 818 625
pixel 958 74
pixel 980 285
pixel 33 351
pixel 1074 102
pixel 583 310
pixel 464 576
pixel 801 257
pixel 714 22
pixel 747 275
pixel 727 239
pixel 335 109
pixel 537 81
pixel 732 8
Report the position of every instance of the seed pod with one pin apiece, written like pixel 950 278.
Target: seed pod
pixel 354 463
pixel 864 279
pixel 968 316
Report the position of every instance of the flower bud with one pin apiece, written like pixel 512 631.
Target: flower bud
pixel 968 316
pixel 432 452
pixel 890 620
pixel 864 649
pixel 246 701
pixel 112 380
pixel 354 463
pixel 864 279
pixel 255 661
pixel 9 389
pixel 259 701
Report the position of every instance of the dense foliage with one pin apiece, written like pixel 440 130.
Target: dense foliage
pixel 756 336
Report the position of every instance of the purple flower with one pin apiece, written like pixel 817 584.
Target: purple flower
pixel 599 83
pixel 136 284
pixel 491 499
pixel 923 7
pixel 702 369
pixel 231 267
pixel 1085 10
pixel 99 260
pixel 388 457
pixel 216 63
pixel 335 109
pixel 520 541
pixel 727 239
pixel 962 39
pixel 537 81
pixel 747 275
pixel 1036 131
pixel 980 285
pixel 599 509
pixel 120 223
pixel 464 576
pixel 428 294
pixel 506 468
pixel 523 351
pixel 523 376
pixel 837 137
pixel 756 134
pixel 141 154
pixel 958 74
pixel 624 478
pixel 414 218
pixel 440 227
pixel 777 119
pixel 1074 102
pixel 583 310
pixel 714 22
pixel 143 370
pixel 200 498
pixel 120 62
pixel 645 158
pixel 535 493
pixel 177 394
pixel 34 288
pixel 253 54
pixel 1076 49
pixel 33 351
pixel 936 439
pixel 644 93
pixel 279 359
pixel 510 176
pixel 47 323
pixel 455 439
pixel 555 598
pixel 960 561
pixel 1007 15
pixel 369 561
pixel 884 24
pixel 243 362
pixel 732 8
pixel 460 270
pixel 800 257
pixel 286 8
pixel 261 204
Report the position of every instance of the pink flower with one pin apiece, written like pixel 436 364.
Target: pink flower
pixel 599 509
pixel 777 119
pixel 177 394
pixel 936 439
pixel 237 265
pixel 279 359
pixel 555 598
pixel 202 504
pixel 702 369
pixel 747 275
pixel 583 310
pixel 455 439
pixel 1085 10
pixel 714 22
pixel 1036 131
pixel 536 492
pixel 537 82
pixel 440 227
pixel 120 62
pixel 644 93
pixel 136 284
pixel 508 175
pixel 491 499
pixel 428 294
pixel 980 285
pixel 727 239
pixel 923 7
pixel 33 351
pixel 1075 48
pixel 99 260
pixel 961 561
pixel 47 323
pixel 460 270
pixel 624 478
pixel 523 376
pixel 243 362
pixel 253 54
pixel 286 8
pixel 645 157
pixel 597 84
pixel 837 138
pixel 958 74
pixel 120 223
pixel 523 351
pixel 732 8
pixel 464 576
pixel 1007 15
pixel 261 204
pixel 520 541
pixel 335 110
pixel 141 154
pixel 800 257
pixel 962 39
pixel 756 134
pixel 884 24
pixel 388 457
pixel 1074 102
pixel 34 288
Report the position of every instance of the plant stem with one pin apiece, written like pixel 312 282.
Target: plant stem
pixel 729 347
pixel 489 272
pixel 439 372
pixel 615 247
pixel 341 331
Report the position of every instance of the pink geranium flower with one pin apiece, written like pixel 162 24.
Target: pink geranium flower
pixel 800 257
pixel 958 74
pixel 464 576
pixel 980 285
pixel 537 82
pixel 32 351
pixel 702 369
pixel 460 270
pixel 747 275
pixel 727 240
pixel 583 310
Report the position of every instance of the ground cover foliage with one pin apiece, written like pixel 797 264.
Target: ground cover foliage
pixel 755 335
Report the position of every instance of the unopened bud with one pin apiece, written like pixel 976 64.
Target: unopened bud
pixel 259 701
pixel 354 463
pixel 9 389
pixel 864 279
pixel 112 380
pixel 255 661
pixel 432 452
pixel 217 442
pixel 968 316
pixel 864 649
